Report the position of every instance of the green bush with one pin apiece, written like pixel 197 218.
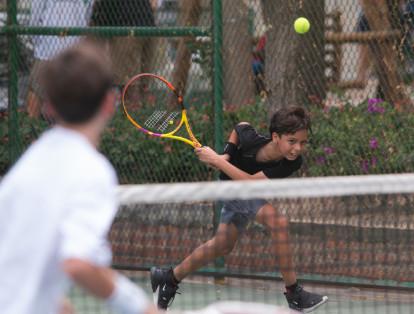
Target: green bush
pixel 370 138
pixel 137 157
pixel 29 131
pixel 140 158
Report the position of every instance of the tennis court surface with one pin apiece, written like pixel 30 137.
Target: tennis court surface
pixel 351 239
pixel 198 292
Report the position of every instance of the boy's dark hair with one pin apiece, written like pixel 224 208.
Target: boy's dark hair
pixel 76 81
pixel 289 120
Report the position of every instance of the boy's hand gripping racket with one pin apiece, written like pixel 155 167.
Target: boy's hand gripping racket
pixel 154 106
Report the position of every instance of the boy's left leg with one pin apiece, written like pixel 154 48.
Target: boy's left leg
pixel 165 282
pixel 278 225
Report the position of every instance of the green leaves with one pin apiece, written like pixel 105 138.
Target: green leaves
pixel 369 138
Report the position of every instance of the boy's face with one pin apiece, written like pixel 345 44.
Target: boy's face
pixel 291 146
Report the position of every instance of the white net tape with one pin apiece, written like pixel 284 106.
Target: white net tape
pixel 281 188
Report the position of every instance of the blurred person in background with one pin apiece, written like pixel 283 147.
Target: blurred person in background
pixel 52 13
pixel 58 200
pixel 130 55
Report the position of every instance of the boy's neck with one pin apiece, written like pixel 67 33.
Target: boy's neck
pixel 269 152
pixel 89 131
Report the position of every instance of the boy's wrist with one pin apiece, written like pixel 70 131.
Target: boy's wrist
pixel 127 297
pixel 218 163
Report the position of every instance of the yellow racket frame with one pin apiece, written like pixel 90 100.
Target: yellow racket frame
pixel 184 118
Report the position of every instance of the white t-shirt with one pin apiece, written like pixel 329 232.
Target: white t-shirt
pixel 57 13
pixel 57 202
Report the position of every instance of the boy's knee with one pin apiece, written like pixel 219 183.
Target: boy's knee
pixel 224 247
pixel 283 222
pixel 279 222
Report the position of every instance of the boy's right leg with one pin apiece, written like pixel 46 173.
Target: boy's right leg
pixel 164 282
pixel 298 298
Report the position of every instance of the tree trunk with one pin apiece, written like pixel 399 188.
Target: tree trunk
pixel 237 56
pixel 190 14
pixel 385 53
pixel 294 63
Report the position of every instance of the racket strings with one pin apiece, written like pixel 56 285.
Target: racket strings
pixel 169 121
pixel 153 105
pixel 156 108
pixel 160 120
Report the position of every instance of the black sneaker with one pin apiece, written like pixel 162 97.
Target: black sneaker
pixel 163 287
pixel 303 301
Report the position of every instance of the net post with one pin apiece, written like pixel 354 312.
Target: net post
pixel 217 31
pixel 218 74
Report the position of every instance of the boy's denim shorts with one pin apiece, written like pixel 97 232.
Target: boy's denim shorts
pixel 240 212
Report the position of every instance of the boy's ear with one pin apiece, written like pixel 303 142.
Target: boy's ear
pixel 108 107
pixel 49 111
pixel 275 137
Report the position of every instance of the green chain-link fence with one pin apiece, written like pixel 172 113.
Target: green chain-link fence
pixel 353 70
pixel 234 60
pixel 170 38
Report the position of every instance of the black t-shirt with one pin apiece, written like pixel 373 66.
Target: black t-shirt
pixel 250 143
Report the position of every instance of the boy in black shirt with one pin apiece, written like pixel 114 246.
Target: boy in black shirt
pixel 249 156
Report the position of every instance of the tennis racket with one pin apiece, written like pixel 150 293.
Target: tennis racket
pixel 155 107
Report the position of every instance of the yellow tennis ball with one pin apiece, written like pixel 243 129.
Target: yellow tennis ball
pixel 171 122
pixel 301 25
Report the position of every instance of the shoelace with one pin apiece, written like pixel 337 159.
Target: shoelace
pixel 172 299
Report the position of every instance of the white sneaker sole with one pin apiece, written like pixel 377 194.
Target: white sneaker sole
pixel 155 295
pixel 313 308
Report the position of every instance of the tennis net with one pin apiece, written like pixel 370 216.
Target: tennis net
pixel 350 238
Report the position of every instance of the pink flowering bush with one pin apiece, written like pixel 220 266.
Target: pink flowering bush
pixel 370 138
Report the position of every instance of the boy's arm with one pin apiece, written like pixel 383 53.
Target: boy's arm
pixel 104 283
pixel 232 141
pixel 210 157
pixel 282 170
pixel 231 144
pixel 84 252
pixel 236 173
pixel 95 279
pixel 221 162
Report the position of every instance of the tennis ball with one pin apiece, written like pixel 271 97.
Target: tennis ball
pixel 171 122
pixel 301 25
